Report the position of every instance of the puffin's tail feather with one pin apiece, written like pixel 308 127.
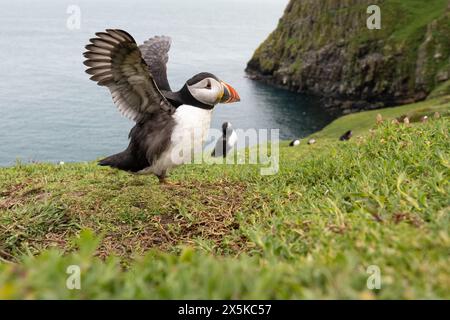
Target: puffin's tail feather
pixel 122 161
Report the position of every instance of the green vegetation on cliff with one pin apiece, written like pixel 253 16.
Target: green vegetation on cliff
pixel 323 47
pixel 311 231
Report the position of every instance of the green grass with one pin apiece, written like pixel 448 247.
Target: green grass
pixel 408 17
pixel 311 231
pixel 361 123
pixel 442 90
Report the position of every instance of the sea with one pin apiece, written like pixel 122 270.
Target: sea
pixel 51 112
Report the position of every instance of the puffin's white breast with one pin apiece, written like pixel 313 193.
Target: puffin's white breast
pixel 191 129
pixel 189 119
pixel 232 139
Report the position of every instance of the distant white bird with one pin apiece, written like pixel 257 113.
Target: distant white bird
pixel 226 142
pixel 294 143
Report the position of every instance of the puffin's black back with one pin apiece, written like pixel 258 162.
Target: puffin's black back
pixel 148 140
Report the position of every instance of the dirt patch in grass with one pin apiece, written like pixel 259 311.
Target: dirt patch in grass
pixel 21 194
pixel 33 227
pixel 195 212
pixel 407 218
pixel 132 219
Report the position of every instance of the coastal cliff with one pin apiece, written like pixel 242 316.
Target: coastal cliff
pixel 324 48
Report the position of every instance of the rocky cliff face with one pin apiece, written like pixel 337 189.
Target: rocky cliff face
pixel 324 48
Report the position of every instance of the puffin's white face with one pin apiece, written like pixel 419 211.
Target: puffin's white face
pixel 208 91
pixel 211 91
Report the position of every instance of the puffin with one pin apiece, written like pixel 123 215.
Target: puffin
pixel 346 136
pixel 226 142
pixel 136 77
pixel 294 143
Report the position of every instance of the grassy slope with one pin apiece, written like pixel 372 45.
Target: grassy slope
pixel 226 232
pixel 362 122
pixel 442 90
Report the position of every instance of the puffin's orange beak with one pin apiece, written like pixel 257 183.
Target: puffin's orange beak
pixel 229 94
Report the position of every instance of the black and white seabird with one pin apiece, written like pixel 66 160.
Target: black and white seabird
pixel 137 78
pixel 294 143
pixel 226 142
pixel 346 136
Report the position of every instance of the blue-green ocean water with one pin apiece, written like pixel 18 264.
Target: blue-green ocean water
pixel 51 111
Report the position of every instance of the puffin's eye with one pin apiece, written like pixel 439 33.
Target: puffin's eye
pixel 208 85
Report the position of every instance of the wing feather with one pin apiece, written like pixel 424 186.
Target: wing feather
pixel 114 60
pixel 155 52
pixel 105 36
pixel 97 63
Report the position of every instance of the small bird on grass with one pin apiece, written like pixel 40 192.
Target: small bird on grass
pixel 226 142
pixel 294 143
pixel 346 136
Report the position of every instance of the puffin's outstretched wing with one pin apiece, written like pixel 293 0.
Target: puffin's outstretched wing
pixel 155 52
pixel 116 62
